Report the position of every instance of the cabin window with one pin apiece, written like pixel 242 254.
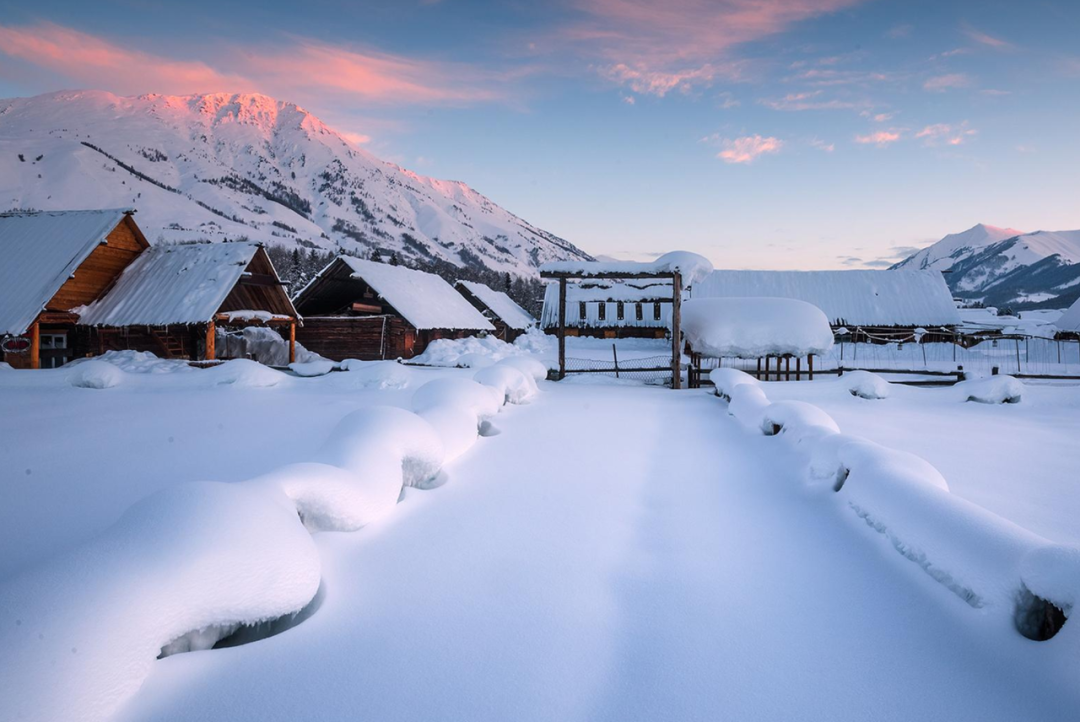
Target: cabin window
pixel 656 311
pixel 53 340
pixel 620 311
pixel 582 313
pixel 602 315
pixel 638 314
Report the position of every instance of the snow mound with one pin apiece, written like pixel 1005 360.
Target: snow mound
pixel 243 373
pixel 381 375
pixel 515 387
pixel 726 379
pixel 747 404
pixel 4 366
pixel 755 327
pixel 482 401
pixel 139 362
pixel 471 352
pixel 313 368
pixel 95 374
pixel 535 341
pixel 797 420
pixel 841 459
pixel 992 390
pixel 385 431
pixel 182 567
pixel 527 365
pixel 1053 573
pixel 866 385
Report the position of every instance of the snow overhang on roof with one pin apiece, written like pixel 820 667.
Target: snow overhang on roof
pixel 504 307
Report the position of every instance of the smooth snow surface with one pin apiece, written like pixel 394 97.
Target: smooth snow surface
pixel 755 327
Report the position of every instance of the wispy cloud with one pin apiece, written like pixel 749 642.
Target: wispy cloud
pixel 822 145
pixel 986 39
pixel 745 149
pixel 897 32
pixel 810 100
pixel 660 83
pixel 939 133
pixel 950 81
pixel 881 138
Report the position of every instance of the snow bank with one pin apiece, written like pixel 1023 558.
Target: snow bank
pixel 755 327
pixel 797 420
pixel 95 374
pixel 535 341
pixel 726 379
pixel 472 352
pixel 139 362
pixel 991 390
pixel 865 385
pixel 244 373
pixel 515 387
pixel 79 635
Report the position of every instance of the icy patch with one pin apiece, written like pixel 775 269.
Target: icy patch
pixel 991 390
pixel 243 373
pixel 866 385
pixel 95 374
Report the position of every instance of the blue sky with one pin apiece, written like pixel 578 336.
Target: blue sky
pixel 762 133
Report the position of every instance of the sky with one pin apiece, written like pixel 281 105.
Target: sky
pixel 760 133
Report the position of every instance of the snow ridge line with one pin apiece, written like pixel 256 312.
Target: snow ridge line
pixel 990 563
pixel 188 565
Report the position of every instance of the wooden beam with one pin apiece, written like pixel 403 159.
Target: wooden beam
pixel 35 346
pixel 260 279
pixel 211 341
pixel 562 328
pixel 366 307
pixel 602 274
pixel 676 330
pixel 292 342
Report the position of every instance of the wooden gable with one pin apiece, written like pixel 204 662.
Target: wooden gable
pixel 102 267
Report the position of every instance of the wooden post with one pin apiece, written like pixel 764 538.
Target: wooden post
pixel 676 330
pixel 35 346
pixel 798 368
pixel 810 367
pixel 759 368
pixel 211 340
pixel 562 328
pixel 787 368
pixel 292 341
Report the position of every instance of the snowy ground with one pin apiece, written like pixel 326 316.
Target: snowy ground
pixel 615 552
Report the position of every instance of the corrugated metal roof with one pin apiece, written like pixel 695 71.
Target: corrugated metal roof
pixel 40 252
pixel 501 305
pixel 172 285
pixel 850 298
pixel 423 299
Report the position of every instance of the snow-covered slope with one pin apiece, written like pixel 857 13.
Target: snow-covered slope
pixel 1006 267
pixel 227 166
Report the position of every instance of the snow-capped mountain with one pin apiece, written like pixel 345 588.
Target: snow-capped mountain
pixel 1007 267
pixel 227 166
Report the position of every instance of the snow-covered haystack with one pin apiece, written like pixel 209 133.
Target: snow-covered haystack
pixel 865 385
pixel 95 374
pixel 991 390
pixel 243 373
pixel 726 379
pixel 755 327
pixel 1014 577
pixel 471 352
pixel 180 569
pixel 515 386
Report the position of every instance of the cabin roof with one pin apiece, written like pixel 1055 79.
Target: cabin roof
pixel 174 285
pixel 1070 320
pixel 500 304
pixel 41 251
pixel 850 298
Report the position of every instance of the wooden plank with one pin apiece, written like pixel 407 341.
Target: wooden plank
pixel 35 346
pixel 562 328
pixel 211 340
pixel 366 307
pixel 676 330
pixel 292 342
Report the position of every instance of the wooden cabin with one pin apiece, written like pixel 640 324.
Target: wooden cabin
pixel 509 319
pixel 639 308
pixel 367 310
pixel 174 300
pixel 56 262
pixel 862 306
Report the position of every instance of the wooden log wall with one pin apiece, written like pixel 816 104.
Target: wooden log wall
pixel 367 338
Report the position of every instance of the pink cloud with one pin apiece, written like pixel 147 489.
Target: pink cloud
pixel 945 133
pixel 822 145
pixel 941 83
pixel 881 138
pixel 300 70
pixel 810 100
pixel 746 149
pixel 988 40
pixel 681 42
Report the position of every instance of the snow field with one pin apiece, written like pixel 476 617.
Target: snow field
pixel 191 564
pixel 991 564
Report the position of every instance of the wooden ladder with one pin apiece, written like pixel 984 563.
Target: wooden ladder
pixel 171 346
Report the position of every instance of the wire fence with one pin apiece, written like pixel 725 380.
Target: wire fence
pixel 654 370
pixel 1022 355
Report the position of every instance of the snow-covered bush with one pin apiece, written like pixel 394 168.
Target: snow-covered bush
pixel 471 352
pixel 535 341
pixel 991 390
pixel 865 385
pixel 726 379
pixel 183 567
pixel 482 401
pixel 748 403
pixel 515 387
pixel 243 373
pixel 312 368
pixel 378 432
pixel 797 420
pixel 527 365
pixel 838 459
pixel 95 374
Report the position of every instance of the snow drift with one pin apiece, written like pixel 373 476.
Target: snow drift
pixel 755 327
pixel 991 390
pixel 95 374
pixel 865 385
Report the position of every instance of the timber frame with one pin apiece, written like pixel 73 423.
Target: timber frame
pixel 676 310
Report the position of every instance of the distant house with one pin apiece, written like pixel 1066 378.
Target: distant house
pixel 870 305
pixel 611 309
pixel 172 300
pixel 510 319
pixel 54 262
pixel 367 310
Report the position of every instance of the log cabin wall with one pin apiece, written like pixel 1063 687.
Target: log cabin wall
pixel 367 338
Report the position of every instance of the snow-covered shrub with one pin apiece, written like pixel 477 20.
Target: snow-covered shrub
pixel 748 403
pixel 182 567
pixel 243 373
pixel 482 401
pixel 839 459
pixel 95 374
pixel 535 341
pixel 991 390
pixel 363 439
pixel 471 352
pixel 515 387
pixel 527 365
pixel 456 426
pixel 797 420
pixel 329 498
pixel 726 379
pixel 312 368
pixel 865 385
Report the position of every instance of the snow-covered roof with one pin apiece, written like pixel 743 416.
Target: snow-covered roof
pixel 40 252
pixel 850 298
pixel 500 304
pixel 1070 320
pixel 610 293
pixel 172 284
pixel 423 299
pixel 755 327
pixel 691 266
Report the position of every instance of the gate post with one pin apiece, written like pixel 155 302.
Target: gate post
pixel 676 330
